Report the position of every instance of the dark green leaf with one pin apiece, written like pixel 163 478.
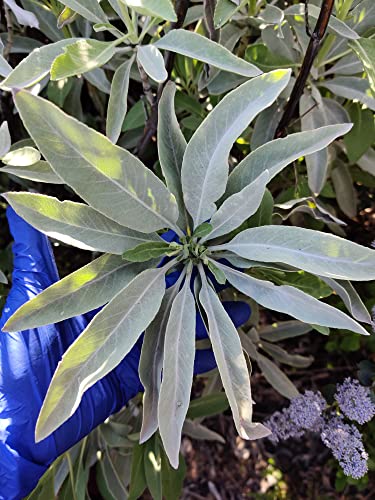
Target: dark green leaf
pixel 148 251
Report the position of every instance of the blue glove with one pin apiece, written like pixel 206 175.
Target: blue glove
pixel 29 359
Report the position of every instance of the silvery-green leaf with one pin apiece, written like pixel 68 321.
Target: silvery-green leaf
pixel 316 163
pixel 101 347
pixel 313 251
pixel 147 251
pixel 346 291
pixel 46 18
pixel 202 230
pixel 205 165
pixel 158 8
pixel 290 300
pixel 271 15
pixel 276 155
pixel 265 126
pixel 365 50
pixel 40 171
pixel 178 368
pixel 35 66
pixel 113 478
pixel 277 378
pixel 3 278
pixel 5 140
pixel 98 79
pixel 281 42
pixel 351 87
pixel 346 194
pixel 75 224
pixel 151 364
pixel 82 56
pixel 89 9
pixel 190 44
pixel 22 157
pixel 200 432
pixel 118 100
pixel 129 193
pixel 284 330
pixel 367 162
pixel 82 291
pixel 217 272
pixel 238 207
pixel 281 355
pixel 171 146
pixel 66 16
pixel 224 10
pixel 347 65
pixel 335 25
pixel 231 363
pixel 5 67
pixel 24 17
pixel 151 60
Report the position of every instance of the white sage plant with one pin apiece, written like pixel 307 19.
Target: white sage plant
pixel 127 209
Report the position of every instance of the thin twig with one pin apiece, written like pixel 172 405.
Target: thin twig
pixel 169 58
pixel 10 32
pixel 311 53
pixel 147 89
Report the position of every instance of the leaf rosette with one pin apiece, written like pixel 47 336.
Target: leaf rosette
pixel 127 210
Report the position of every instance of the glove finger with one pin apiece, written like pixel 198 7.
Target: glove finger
pixel 238 311
pixel 204 361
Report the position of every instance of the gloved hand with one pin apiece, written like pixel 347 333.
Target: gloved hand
pixel 29 359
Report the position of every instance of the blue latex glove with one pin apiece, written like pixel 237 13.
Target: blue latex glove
pixel 29 359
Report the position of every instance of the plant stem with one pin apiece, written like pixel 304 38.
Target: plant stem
pixel 9 24
pixel 311 53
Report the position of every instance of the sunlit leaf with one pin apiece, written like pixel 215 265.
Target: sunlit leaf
pixel 178 367
pixel 205 165
pixel 40 171
pixel 151 60
pixel 158 8
pixel 101 347
pixel 129 193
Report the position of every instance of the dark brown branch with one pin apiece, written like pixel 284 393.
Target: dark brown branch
pixel 311 53
pixel 10 33
pixel 169 58
pixel 209 11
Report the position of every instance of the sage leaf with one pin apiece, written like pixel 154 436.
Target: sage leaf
pixel 24 17
pixel 217 272
pixel 5 140
pixel 3 278
pixel 178 368
pixel 35 66
pixel 89 9
pixel 82 56
pixel 239 207
pixel 203 230
pixel 365 50
pixel 171 147
pixel 203 49
pixel 289 300
pixel 281 355
pixel 198 431
pixel 284 330
pixel 67 16
pixel 151 60
pixel 352 88
pixel 276 155
pixel 112 477
pixel 152 464
pixel 313 251
pixel 346 291
pixel 75 224
pixel 147 251
pixel 156 8
pixel 277 378
pixel 231 363
pixel 118 100
pixel 40 171
pixel 205 165
pixel 129 193
pixel 80 292
pixel 22 157
pixel 151 364
pixel 101 347
pixel 346 194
